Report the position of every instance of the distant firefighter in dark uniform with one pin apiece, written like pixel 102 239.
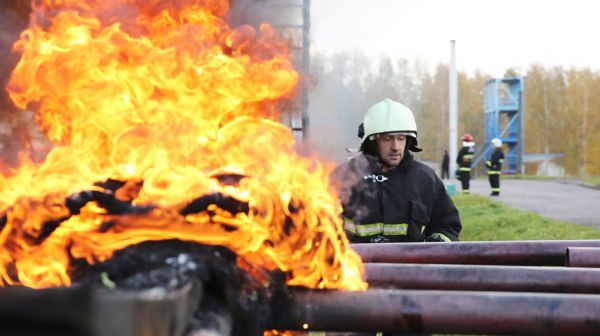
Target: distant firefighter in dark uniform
pixel 445 165
pixel 464 159
pixel 494 165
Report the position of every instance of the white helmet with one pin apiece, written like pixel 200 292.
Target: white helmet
pixel 496 142
pixel 389 116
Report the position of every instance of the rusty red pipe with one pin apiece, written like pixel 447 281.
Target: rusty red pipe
pixel 483 278
pixel 526 253
pixel 440 312
pixel 583 257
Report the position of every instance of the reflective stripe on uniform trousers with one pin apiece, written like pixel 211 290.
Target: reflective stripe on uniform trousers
pixel 365 230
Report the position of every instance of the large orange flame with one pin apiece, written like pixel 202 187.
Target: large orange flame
pixel 166 94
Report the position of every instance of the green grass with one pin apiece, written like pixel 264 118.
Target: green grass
pixel 594 181
pixel 487 220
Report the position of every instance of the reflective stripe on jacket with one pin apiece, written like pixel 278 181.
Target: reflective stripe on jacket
pixel 495 162
pixel 464 158
pixel 408 203
pixel 366 230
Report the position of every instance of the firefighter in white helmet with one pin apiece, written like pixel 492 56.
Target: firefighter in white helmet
pixel 494 166
pixel 386 194
pixel 464 159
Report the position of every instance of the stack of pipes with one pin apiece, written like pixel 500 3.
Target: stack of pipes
pixel 512 288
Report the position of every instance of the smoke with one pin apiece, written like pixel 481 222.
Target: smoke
pixel 274 12
pixel 14 17
pixel 337 102
pixel 334 86
pixel 287 18
pixel 14 124
pixel 348 180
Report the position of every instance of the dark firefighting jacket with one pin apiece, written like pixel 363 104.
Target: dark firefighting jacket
pixel 464 158
pixel 494 164
pixel 409 203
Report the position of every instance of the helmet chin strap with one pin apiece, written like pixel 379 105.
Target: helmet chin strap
pixel 412 145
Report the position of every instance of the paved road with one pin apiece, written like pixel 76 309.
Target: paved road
pixel 563 200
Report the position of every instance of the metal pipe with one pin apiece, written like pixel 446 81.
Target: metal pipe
pixel 483 278
pixel 526 253
pixel 583 257
pixel 51 311
pixel 155 311
pixel 84 311
pixel 440 312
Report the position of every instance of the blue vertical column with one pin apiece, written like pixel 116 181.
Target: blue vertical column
pixel 503 117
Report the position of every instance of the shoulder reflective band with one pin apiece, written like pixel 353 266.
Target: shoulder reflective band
pixel 441 236
pixel 365 230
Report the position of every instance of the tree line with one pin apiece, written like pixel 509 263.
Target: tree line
pixel 562 107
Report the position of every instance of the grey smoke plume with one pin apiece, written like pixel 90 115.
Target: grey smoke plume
pixel 348 180
pixel 14 17
pixel 337 102
pixel 274 12
pixel 14 125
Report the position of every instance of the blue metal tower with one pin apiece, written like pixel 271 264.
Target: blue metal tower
pixel 504 110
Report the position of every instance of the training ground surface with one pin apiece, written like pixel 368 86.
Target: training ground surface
pixel 567 200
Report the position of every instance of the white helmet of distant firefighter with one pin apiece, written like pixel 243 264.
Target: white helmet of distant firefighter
pixel 496 142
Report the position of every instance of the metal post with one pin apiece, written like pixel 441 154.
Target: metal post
pixel 305 64
pixel 522 126
pixel 453 108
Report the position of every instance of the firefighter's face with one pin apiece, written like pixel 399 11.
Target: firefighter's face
pixel 390 147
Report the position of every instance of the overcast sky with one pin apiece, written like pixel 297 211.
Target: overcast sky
pixel 490 35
